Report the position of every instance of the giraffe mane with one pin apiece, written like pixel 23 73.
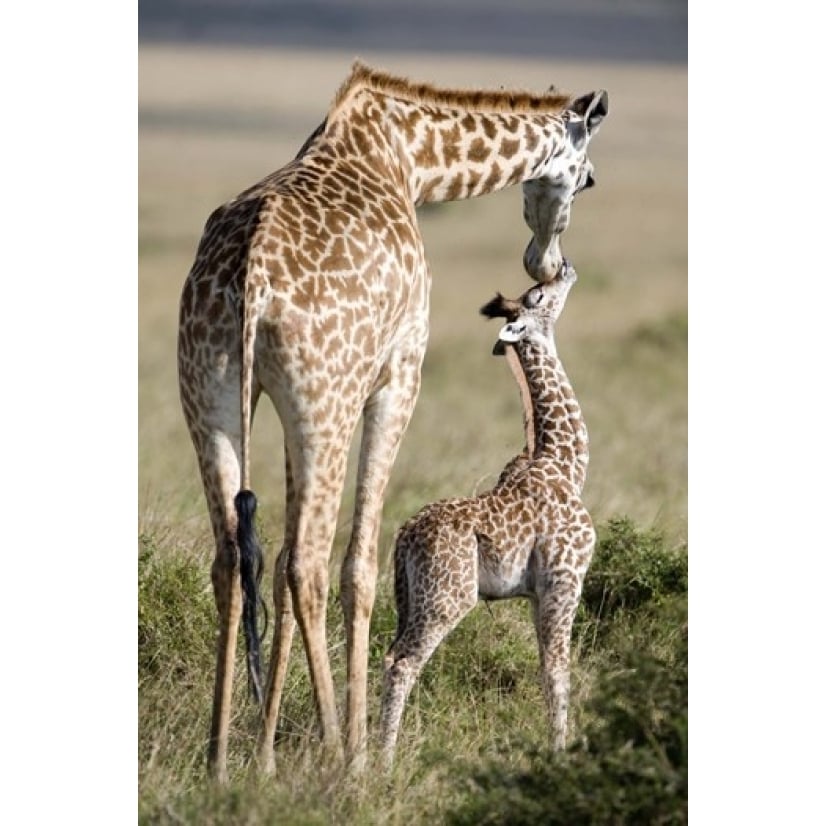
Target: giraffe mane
pixel 475 100
pixel 525 396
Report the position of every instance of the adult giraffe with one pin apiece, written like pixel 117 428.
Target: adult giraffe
pixel 312 287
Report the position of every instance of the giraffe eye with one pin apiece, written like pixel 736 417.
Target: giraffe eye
pixel 535 297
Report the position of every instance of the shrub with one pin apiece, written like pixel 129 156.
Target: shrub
pixel 628 761
pixel 629 765
pixel 630 569
pixel 176 615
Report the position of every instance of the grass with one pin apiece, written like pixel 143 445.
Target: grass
pixel 473 736
pixel 472 727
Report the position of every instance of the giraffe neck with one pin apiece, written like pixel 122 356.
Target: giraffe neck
pixel 525 397
pixel 516 466
pixel 560 435
pixel 443 150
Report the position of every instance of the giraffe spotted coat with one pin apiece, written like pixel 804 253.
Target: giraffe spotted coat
pixel 312 288
pixel 530 536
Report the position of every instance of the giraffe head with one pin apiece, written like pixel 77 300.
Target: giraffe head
pixel 533 315
pixel 547 198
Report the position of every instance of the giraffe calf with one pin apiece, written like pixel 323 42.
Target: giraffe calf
pixel 529 536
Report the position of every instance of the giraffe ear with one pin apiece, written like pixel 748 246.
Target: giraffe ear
pixel 513 331
pixel 577 133
pixel 593 108
pixel 495 308
pixel 500 307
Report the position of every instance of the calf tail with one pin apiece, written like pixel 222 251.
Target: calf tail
pixel 400 588
pixel 252 559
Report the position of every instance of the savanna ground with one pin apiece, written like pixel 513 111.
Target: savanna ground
pixel 472 746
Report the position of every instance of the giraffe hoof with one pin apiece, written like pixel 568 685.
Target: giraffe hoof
pixel 357 763
pixel 266 764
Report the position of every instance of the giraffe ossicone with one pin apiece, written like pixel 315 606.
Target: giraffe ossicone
pixel 529 536
pixel 312 288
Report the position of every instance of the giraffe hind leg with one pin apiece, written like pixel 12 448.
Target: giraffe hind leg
pixel 317 478
pixel 220 474
pixel 215 428
pixel 410 654
pixel 399 676
pixel 386 414
pixel 211 390
pixel 430 618
pixel 316 469
pixel 283 632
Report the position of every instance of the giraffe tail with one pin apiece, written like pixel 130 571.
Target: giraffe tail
pixel 400 589
pixel 252 559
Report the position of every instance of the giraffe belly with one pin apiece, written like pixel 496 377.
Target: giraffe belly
pixel 501 589
pixel 503 577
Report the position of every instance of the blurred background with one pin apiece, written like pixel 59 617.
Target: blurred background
pixel 228 91
pixel 638 30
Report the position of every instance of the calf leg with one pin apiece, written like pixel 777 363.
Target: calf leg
pixel 426 627
pixel 554 624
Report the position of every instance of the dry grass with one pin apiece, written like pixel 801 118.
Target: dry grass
pixel 214 121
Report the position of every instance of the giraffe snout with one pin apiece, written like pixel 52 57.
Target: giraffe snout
pixel 567 271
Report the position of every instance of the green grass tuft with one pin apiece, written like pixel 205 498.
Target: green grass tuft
pixel 473 745
pixel 629 761
pixel 630 569
pixel 176 614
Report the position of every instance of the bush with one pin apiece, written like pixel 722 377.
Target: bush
pixel 628 762
pixel 631 569
pixel 177 621
pixel 629 765
pixel 475 727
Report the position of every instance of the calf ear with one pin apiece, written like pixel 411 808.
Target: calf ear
pixel 513 331
pixel 500 307
pixel 593 108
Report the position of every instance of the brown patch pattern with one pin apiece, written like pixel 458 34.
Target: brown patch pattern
pixel 530 536
pixel 312 288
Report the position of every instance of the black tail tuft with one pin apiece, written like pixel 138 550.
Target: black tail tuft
pixel 252 566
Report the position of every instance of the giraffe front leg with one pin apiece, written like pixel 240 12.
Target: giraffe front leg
pixel 386 417
pixel 555 619
pixel 399 677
